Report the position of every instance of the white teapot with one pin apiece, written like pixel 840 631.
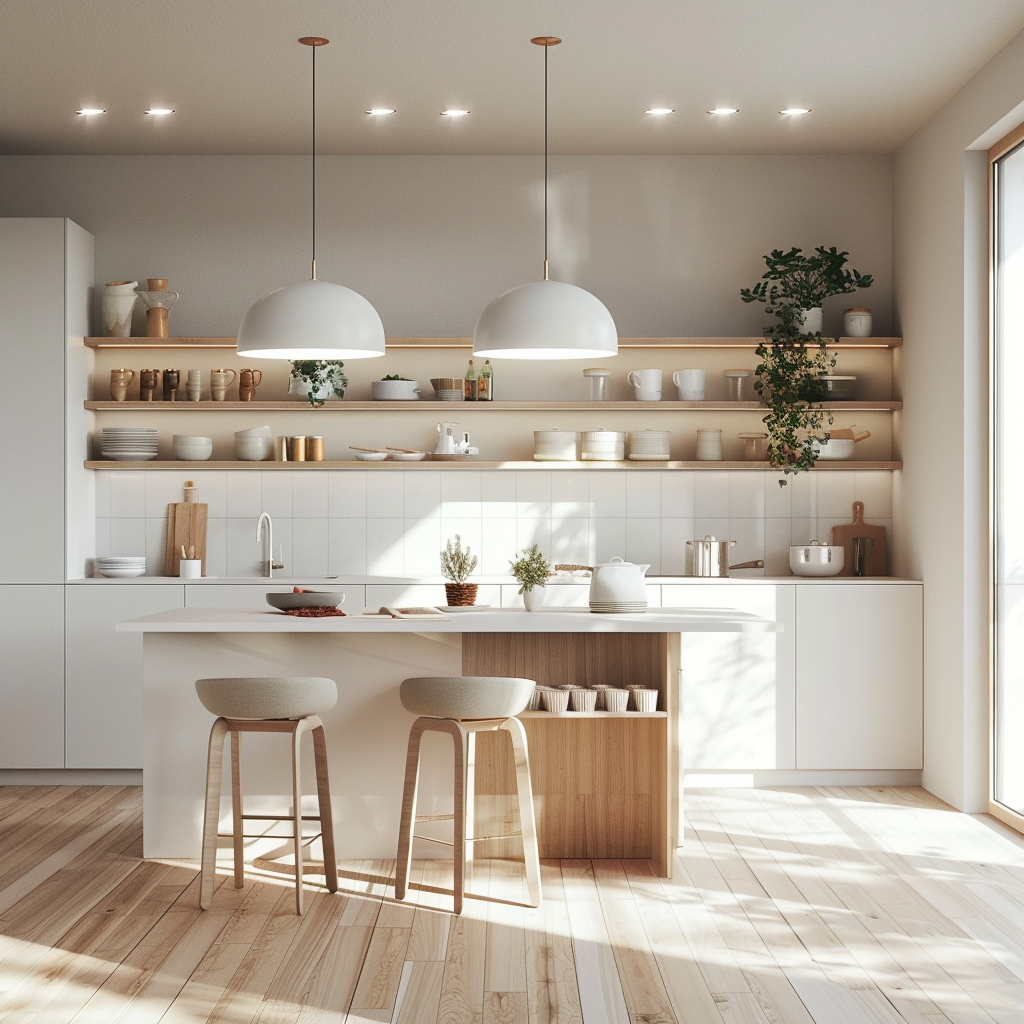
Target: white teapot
pixel 618 586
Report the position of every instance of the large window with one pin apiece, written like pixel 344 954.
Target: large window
pixel 1007 160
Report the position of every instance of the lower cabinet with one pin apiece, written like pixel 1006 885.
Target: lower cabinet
pixel 32 680
pixel 104 671
pixel 860 676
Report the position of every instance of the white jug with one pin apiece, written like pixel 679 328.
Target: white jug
pixel 446 443
pixel 618 586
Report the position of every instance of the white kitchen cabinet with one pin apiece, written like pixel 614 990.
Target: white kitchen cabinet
pixel 736 689
pixel 46 275
pixel 253 596
pixel 104 671
pixel 32 680
pixel 859 676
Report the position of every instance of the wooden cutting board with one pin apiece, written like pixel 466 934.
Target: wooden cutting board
pixel 186 525
pixel 858 531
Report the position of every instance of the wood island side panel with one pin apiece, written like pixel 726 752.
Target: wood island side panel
pixel 604 787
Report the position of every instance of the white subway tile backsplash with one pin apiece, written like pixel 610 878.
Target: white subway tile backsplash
pixel 310 494
pixel 347 547
pixel 357 522
pixel 156 547
pixel 128 495
pixel 244 494
pixel 421 494
pixel 711 495
pixel 346 494
pixel 276 493
pixel 607 494
pixel 384 495
pixel 643 494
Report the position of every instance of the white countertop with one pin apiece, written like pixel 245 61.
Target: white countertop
pixel 481 620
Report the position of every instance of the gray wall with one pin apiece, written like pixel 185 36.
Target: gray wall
pixel 666 242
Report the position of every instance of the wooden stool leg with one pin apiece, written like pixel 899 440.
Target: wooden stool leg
pixel 211 812
pixel 528 822
pixel 323 795
pixel 461 741
pixel 408 819
pixel 297 732
pixel 236 808
pixel 469 743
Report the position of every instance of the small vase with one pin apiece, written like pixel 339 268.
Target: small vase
pixel 460 594
pixel 117 303
pixel 811 323
pixel 534 599
pixel 300 386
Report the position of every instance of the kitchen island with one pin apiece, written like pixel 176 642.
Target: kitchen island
pixel 606 785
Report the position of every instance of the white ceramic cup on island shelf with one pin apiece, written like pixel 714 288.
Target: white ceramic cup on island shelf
pixel 646 384
pixel 690 384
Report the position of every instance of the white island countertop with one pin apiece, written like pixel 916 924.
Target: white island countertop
pixel 479 620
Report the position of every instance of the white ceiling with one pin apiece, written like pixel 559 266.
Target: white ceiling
pixel 872 71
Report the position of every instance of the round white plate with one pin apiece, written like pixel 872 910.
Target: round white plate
pixel 462 607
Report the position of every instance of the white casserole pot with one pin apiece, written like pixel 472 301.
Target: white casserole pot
pixel 816 559
pixel 394 390
pixel 618 586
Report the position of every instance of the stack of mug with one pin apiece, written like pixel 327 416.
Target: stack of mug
pixel 194 385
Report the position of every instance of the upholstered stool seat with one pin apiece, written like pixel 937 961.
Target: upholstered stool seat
pixel 461 707
pixel 289 705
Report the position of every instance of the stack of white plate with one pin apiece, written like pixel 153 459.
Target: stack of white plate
pixel 554 445
pixel 648 445
pixel 129 444
pixel 123 565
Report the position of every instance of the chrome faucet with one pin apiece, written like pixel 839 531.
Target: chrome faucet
pixel 268 563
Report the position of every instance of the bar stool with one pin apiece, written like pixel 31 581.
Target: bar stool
pixel 286 705
pixel 461 707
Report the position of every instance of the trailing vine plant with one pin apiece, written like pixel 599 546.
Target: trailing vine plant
pixel 792 361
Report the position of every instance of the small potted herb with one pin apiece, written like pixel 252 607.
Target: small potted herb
pixel 318 380
pixel 456 566
pixel 533 571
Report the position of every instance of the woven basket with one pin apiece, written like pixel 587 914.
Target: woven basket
pixel 460 594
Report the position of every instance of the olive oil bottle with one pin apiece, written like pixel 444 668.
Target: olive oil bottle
pixel 485 383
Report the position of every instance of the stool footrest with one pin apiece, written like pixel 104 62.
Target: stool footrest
pixel 279 817
pixel 263 835
pixel 474 839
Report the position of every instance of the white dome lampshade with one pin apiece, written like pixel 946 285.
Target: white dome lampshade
pixel 311 320
pixel 545 320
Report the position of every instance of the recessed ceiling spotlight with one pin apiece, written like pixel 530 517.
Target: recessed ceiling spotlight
pixel 381 110
pixel 160 111
pixel 660 111
pixel 89 111
pixel 724 110
pixel 454 113
pixel 795 111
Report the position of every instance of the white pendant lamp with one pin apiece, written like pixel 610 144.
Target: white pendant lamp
pixel 313 319
pixel 546 319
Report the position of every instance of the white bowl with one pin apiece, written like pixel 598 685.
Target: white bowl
pixel 370 456
pixel 394 390
pixel 255 432
pixel 835 448
pixel 816 559
pixel 189 449
pixel 254 449
pixel 407 456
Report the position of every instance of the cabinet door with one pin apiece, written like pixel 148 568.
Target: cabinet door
pixel 32 339
pixel 859 676
pixel 32 681
pixel 736 689
pixel 104 671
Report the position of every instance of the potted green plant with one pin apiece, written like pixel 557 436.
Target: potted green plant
pixel 794 358
pixel 317 379
pixel 456 566
pixel 533 571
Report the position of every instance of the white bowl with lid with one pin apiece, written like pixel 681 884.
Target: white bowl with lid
pixel 816 559
pixel 554 445
pixel 603 445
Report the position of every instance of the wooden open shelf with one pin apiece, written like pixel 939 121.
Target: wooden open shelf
pixel 345 405
pixel 386 466
pixel 400 343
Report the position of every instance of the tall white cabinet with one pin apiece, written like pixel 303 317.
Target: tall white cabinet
pixel 46 281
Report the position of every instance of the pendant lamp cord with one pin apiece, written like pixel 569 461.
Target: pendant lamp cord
pixel 546 48
pixel 313 226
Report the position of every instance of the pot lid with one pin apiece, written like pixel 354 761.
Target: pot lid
pixel 620 563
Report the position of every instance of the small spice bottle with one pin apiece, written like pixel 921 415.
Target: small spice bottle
pixel 314 449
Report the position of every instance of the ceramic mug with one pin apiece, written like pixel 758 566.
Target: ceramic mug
pixel 690 384
pixel 171 380
pixel 220 381
pixel 148 380
pixel 248 382
pixel 646 384
pixel 119 381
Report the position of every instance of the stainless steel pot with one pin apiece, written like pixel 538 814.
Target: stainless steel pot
pixel 711 557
